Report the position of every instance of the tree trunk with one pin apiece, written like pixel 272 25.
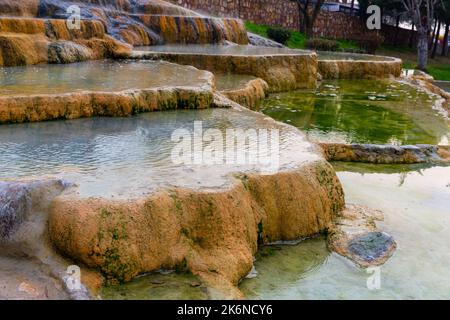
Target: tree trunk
pixel 436 40
pixel 411 37
pixel 397 30
pixel 309 27
pixel 445 45
pixel 303 23
pixel 433 35
pixel 422 49
pixel 302 18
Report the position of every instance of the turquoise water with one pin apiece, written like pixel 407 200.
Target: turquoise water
pixel 363 111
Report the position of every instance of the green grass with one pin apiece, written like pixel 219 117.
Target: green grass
pixel 439 72
pixel 347 44
pixel 256 28
pixel 297 40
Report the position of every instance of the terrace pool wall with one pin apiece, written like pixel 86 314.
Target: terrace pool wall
pixel 283 70
pixel 100 88
pixel 358 66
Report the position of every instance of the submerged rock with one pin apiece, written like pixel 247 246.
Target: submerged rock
pixel 24 242
pixel 355 235
pixel 370 246
pixel 14 207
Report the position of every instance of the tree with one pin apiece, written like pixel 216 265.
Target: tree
pixel 443 14
pixel 308 12
pixel 422 13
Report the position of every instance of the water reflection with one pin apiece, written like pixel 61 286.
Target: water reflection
pixel 364 111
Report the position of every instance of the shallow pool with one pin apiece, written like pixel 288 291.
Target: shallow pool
pixel 363 111
pixel 103 75
pixel 134 156
pixel 249 50
pixel 415 201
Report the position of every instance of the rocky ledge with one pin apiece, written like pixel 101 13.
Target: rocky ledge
pixel 360 69
pixel 385 154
